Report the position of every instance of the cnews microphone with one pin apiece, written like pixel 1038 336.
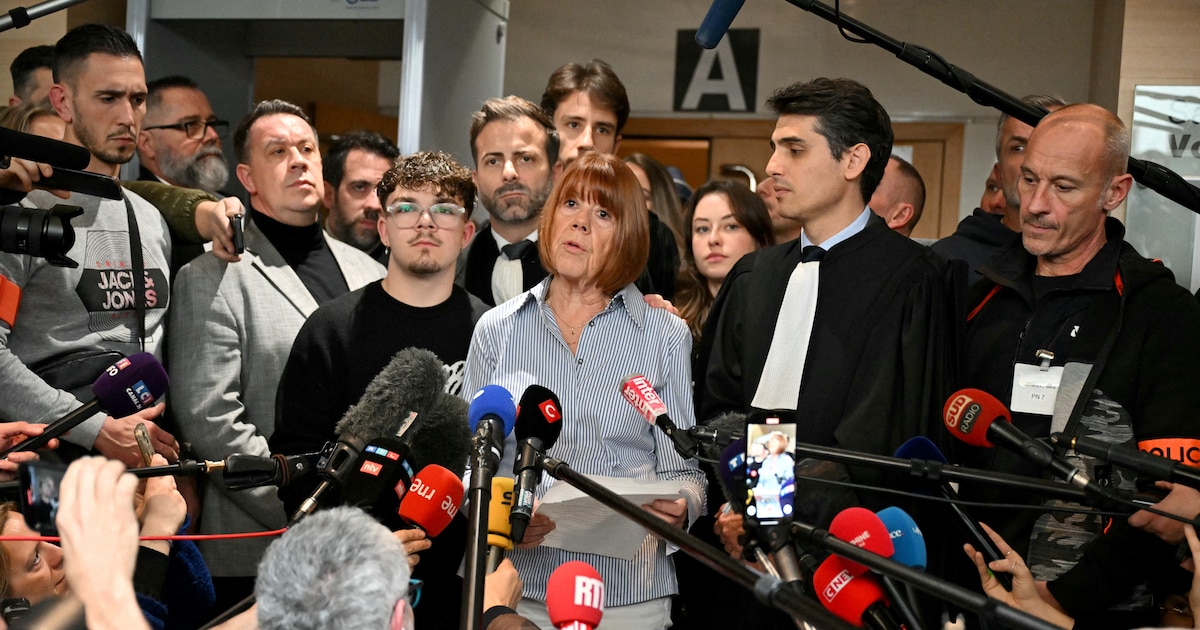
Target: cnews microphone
pixel 640 393
pixel 716 22
pixel 432 500
pixel 856 598
pixel 861 528
pixel 125 388
pixel 971 415
pixel 499 537
pixel 411 382
pixel 1132 459
pixel 575 596
pixel 537 429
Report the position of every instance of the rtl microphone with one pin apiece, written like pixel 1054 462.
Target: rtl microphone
pixel 499 537
pixel 971 415
pixel 432 499
pixel 575 596
pixel 640 393
pixel 379 481
pixel 856 598
pixel 411 382
pixel 126 387
pixel 716 22
pixel 1132 459
pixel 492 415
pixel 537 428
pixel 861 528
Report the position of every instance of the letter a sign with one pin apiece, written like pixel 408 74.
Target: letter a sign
pixel 724 79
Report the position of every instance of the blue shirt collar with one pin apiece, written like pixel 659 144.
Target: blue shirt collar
pixel 855 227
pixel 628 299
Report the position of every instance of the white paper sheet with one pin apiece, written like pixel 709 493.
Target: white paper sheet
pixel 585 525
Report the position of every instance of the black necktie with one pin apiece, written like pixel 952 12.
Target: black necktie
pixel 515 251
pixel 811 253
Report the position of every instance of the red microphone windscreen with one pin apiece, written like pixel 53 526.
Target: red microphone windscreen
pixel 131 384
pixel 432 500
pixel 861 527
pixel 640 393
pixel 575 596
pixel 968 414
pixel 844 593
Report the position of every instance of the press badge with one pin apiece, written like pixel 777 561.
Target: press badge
pixel 1035 387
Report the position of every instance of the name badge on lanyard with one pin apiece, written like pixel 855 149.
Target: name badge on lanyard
pixel 1035 387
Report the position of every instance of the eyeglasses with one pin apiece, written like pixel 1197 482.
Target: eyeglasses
pixel 406 214
pixel 195 129
pixel 414 592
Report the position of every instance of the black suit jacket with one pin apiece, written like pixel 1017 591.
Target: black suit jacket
pixel 475 274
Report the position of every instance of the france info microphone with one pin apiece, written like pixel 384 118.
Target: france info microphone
pixel 492 415
pixel 379 481
pixel 432 499
pixel 861 528
pixel 538 425
pixel 575 596
pixel 856 598
pixel 126 387
pixel 907 539
pixel 716 22
pixel 979 419
pixel 1132 459
pixel 499 537
pixel 411 382
pixel 640 393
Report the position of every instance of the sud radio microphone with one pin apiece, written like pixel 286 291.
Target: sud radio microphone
pixel 640 393
pixel 537 428
pixel 410 383
pixel 499 536
pixel 128 386
pixel 716 22
pixel 575 596
pixel 856 598
pixel 979 419
pixel 1132 459
pixel 921 447
pixel 432 499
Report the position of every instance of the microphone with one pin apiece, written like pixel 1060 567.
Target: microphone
pixel 716 22
pixel 921 447
pixel 1131 458
pixel 537 429
pixel 56 153
pixel 971 415
pixel 640 393
pixel 441 436
pixel 242 472
pixel 379 480
pixel 861 528
pixel 718 433
pixel 492 415
pixel 854 597
pixel 126 387
pixel 411 382
pixel 499 537
pixel 908 542
pixel 575 596
pixel 432 499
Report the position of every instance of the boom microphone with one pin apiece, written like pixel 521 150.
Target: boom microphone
pixel 575 596
pixel 126 387
pixel 716 22
pixel 537 429
pixel 36 148
pixel 410 383
pixel 499 537
pixel 971 415
pixel 1132 459
pixel 432 500
pixel 640 393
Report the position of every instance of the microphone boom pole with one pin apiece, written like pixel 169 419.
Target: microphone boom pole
pixel 1154 176
pixel 770 590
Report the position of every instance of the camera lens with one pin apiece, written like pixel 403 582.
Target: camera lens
pixel 36 232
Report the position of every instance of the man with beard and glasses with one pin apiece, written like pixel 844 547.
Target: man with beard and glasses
pixel 354 165
pixel 515 149
pixel 75 322
pixel 427 198
pixel 180 140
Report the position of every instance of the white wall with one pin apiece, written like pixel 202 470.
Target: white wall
pixel 1019 46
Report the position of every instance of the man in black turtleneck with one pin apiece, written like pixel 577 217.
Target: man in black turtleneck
pixel 233 325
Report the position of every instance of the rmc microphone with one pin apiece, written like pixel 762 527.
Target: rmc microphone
pixel 126 387
pixel 537 428
pixel 716 22
pixel 575 596
pixel 432 499
pixel 640 393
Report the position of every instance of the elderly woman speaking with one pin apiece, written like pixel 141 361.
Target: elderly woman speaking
pixel 580 333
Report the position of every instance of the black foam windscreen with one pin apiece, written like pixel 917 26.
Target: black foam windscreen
pixel 411 382
pixel 539 415
pixel 442 436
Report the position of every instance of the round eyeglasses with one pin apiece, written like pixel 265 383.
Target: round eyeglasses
pixel 406 214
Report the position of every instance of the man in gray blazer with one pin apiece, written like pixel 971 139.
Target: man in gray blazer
pixel 232 327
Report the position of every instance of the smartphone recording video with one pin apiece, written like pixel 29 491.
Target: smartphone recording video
pixel 770 470
pixel 40 482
